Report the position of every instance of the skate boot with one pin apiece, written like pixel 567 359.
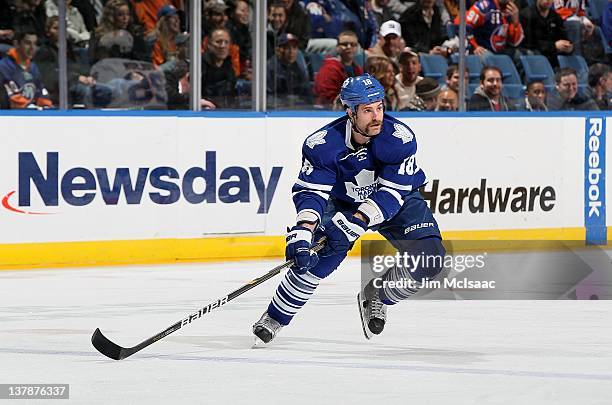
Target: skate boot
pixel 372 310
pixel 266 328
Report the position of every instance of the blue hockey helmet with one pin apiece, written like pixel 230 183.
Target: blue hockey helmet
pixel 364 89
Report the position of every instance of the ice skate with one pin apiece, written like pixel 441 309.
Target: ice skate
pixel 266 328
pixel 372 310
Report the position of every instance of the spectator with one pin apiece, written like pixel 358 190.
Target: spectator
pixel 298 22
pixel 91 11
pixel 422 27
pixel 76 31
pixel 600 86
pixel 336 69
pixel 544 32
pixel 147 12
pixel 382 70
pixel 277 24
pixel 406 80
pixel 535 97
pixel 579 27
pixel 176 73
pixel 381 10
pixel 214 17
pixel 46 58
pixel 238 26
pixel 447 100
pixel 218 77
pixel 29 15
pixel 389 43
pixel 488 97
pixel 164 35
pixel 287 81
pixel 116 35
pixel 452 78
pixel 427 90
pixel 20 77
pixel 565 96
pixel 492 26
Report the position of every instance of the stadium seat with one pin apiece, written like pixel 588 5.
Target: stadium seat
pixel 537 67
pixel 596 9
pixel 578 63
pixel 513 87
pixel 474 65
pixel 315 60
pixel 434 66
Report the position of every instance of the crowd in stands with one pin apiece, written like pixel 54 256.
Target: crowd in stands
pixel 135 53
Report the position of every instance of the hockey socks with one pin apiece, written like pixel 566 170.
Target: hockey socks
pixel 291 295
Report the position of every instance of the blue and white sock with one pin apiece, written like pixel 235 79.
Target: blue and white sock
pixel 291 295
pixel 391 296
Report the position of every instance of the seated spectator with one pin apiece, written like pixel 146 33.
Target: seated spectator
pixel 382 70
pixel 381 10
pixel 336 69
pixel 447 100
pixel 216 18
pixel 176 72
pixel 535 97
pixel 29 15
pixel 287 81
pixel 492 27
pixel 488 97
pixel 116 35
pixel 600 86
pixel 579 27
pixel 46 58
pixel 91 11
pixel 452 78
pixel 544 32
pixel 20 76
pixel 277 24
pixel 146 12
pixel 427 90
pixel 565 96
pixel 406 80
pixel 298 22
pixel 218 77
pixel 238 25
pixel 76 31
pixel 163 36
pixel 422 27
pixel 389 43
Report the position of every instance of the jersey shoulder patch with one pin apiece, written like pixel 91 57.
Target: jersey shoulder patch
pixel 402 132
pixel 318 138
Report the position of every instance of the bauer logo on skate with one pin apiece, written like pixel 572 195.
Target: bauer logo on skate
pixel 163 185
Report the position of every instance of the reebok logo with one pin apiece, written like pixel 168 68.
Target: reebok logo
pixel 594 169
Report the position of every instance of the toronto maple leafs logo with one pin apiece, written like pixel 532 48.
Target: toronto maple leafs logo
pixel 307 167
pixel 366 185
pixel 315 139
pixel 403 133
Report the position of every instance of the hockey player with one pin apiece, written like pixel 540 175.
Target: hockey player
pixel 359 172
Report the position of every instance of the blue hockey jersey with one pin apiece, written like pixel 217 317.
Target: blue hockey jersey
pixel 378 175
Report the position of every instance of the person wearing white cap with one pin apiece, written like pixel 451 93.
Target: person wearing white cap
pixel 390 42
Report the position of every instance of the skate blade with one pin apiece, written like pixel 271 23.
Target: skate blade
pixel 258 344
pixel 366 331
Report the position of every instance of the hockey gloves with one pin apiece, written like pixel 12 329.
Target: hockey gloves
pixel 299 242
pixel 341 233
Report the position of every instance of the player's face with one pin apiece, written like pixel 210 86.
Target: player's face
pixel 492 83
pixel 369 118
pixel 568 87
pixel 537 91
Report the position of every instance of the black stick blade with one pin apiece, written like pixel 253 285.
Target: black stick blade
pixel 106 347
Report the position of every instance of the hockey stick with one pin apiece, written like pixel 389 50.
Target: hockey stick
pixel 116 352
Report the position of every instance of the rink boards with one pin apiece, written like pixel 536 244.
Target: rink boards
pixel 132 188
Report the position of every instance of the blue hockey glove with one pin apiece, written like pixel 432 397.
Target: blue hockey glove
pixel 299 242
pixel 341 233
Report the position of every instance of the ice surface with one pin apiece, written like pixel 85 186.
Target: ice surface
pixel 431 352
